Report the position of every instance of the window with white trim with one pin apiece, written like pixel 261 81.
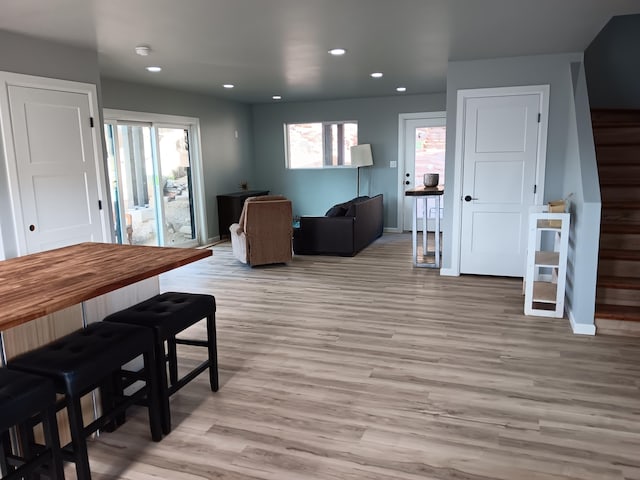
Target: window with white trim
pixel 320 144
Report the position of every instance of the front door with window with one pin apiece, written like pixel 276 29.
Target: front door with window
pixel 424 152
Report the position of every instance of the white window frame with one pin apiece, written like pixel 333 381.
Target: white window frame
pixel 159 120
pixel 326 155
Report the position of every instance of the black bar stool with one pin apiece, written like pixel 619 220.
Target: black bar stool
pixel 88 359
pixel 23 397
pixel 169 314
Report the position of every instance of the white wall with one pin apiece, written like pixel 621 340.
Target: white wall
pixel 31 56
pixel 581 180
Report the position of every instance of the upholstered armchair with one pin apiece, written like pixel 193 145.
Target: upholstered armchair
pixel 264 232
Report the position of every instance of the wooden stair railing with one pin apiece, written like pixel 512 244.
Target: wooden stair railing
pixel 617 140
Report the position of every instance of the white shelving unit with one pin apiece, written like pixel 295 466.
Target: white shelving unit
pixel 546 272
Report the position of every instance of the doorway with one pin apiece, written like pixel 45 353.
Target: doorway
pixel 499 176
pixel 422 140
pixel 153 178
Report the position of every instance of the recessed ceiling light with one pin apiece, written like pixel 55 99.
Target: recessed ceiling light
pixel 377 74
pixel 277 97
pixel 337 51
pixel 401 89
pixel 143 50
pixel 228 85
pixel 154 69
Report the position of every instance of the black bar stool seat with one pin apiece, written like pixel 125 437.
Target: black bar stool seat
pixel 169 314
pixel 22 397
pixel 88 359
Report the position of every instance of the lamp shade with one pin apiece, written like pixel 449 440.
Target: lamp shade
pixel 361 155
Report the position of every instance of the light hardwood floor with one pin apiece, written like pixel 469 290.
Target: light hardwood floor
pixel 366 368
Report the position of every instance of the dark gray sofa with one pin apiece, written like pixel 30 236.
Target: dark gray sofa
pixel 345 230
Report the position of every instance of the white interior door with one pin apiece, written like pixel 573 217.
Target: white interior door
pixel 499 174
pixel 56 167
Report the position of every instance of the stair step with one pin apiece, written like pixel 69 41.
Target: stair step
pixel 631 255
pixel 617 135
pixel 619 174
pixel 618 267
pixel 622 228
pixel 614 115
pixel 626 283
pixel 618 312
pixel 617 296
pixel 620 193
pixel 617 154
pixel 622 205
pixel 630 216
pixel 612 240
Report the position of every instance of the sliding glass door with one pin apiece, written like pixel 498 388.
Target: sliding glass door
pixel 151 181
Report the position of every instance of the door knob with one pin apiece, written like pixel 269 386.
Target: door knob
pixel 408 175
pixel 32 228
pixel 468 198
pixel 407 182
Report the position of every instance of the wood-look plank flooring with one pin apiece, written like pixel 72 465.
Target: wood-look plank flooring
pixel 367 368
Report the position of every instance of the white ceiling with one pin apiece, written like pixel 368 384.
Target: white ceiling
pixel 268 47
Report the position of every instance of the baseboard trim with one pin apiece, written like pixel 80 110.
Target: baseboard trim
pixel 392 230
pixel 580 328
pixel 449 272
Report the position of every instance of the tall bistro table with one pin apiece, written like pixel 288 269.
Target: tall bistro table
pixel 86 281
pixel 422 193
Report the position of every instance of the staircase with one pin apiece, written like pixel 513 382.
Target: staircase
pixel 617 140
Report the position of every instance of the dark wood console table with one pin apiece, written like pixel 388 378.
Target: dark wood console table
pixel 230 207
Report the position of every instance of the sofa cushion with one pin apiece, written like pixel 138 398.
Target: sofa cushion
pixel 351 209
pixel 336 211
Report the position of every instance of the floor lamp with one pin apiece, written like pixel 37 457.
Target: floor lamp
pixel 361 157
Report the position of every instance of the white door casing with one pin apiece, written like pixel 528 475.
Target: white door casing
pixel 500 161
pixel 407 123
pixel 54 162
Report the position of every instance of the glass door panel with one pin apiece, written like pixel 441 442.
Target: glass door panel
pixel 177 191
pixel 151 182
pixel 137 187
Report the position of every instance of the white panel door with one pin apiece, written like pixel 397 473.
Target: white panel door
pixel 56 167
pixel 499 171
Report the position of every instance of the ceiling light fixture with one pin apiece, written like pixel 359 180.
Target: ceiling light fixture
pixel 277 97
pixel 377 74
pixel 143 50
pixel 154 69
pixel 401 89
pixel 337 51
pixel 228 85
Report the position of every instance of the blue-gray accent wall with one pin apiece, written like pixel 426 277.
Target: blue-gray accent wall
pixel 313 192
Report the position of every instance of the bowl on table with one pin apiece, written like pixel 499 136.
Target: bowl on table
pixel 431 179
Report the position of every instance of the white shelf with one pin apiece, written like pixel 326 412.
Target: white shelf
pixel 546 260
pixel 544 292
